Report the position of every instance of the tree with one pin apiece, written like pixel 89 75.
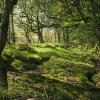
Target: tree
pixel 38 14
pixel 31 19
pixel 6 11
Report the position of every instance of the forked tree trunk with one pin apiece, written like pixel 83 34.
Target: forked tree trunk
pixel 9 4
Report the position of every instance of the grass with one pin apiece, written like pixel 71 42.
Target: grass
pixel 49 72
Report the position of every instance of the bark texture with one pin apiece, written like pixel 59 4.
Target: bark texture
pixel 4 23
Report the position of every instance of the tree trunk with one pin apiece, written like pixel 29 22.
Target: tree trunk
pixel 9 35
pixel 59 37
pixel 55 35
pixel 28 36
pixel 40 36
pixel 65 38
pixel 40 31
pixel 12 29
pixel 3 37
pixel 3 73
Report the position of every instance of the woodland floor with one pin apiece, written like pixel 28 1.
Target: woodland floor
pixel 50 72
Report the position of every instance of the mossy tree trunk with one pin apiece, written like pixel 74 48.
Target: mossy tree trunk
pixel 8 7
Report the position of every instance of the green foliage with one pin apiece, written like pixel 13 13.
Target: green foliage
pixel 17 64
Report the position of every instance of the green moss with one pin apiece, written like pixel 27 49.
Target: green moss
pixel 48 68
pixel 17 64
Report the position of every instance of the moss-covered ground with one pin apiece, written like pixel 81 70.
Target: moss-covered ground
pixel 49 72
